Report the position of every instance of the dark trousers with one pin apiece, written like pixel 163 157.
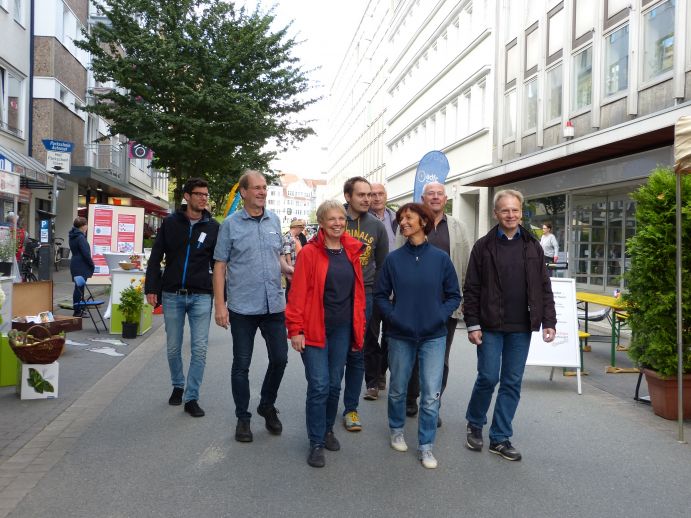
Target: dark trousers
pixel 376 355
pixel 243 329
pixel 414 383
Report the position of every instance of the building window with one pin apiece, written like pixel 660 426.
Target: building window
pixel 583 21
pixel 511 63
pixel 555 34
pixel 532 50
pixel 530 106
pixel 583 79
pixel 553 94
pixel 11 102
pixel 616 6
pixel 510 114
pixel 19 11
pixel 617 61
pixel 658 40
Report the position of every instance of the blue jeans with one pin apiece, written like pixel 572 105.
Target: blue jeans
pixel 500 359
pixel 355 368
pixel 430 354
pixel 197 307
pixel 243 328
pixel 324 372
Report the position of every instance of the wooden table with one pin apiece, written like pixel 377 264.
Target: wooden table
pixel 603 300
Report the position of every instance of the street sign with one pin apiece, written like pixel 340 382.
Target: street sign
pixel 58 162
pixel 58 145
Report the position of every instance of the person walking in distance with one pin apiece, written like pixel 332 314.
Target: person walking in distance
pixel 452 238
pixel 376 354
pixel 325 316
pixel 549 243
pixel 248 268
pixel 292 245
pixel 185 241
pixel 507 295
pixel 361 225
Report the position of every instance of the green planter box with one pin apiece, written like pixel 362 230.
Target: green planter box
pixel 145 320
pixel 9 363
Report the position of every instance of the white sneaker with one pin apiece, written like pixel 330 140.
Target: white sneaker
pixel 398 442
pixel 427 459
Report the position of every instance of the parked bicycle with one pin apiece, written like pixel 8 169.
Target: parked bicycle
pixel 30 260
pixel 59 252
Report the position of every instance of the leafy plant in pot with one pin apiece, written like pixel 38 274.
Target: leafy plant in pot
pixel 651 285
pixel 8 248
pixel 131 304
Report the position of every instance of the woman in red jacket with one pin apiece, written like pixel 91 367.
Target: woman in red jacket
pixel 325 316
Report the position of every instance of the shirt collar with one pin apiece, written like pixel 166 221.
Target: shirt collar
pixel 502 235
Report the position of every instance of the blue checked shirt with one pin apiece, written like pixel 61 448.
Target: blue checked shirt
pixel 251 251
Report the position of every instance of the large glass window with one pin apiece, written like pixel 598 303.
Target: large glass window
pixel 658 40
pixel 617 61
pixel 553 94
pixel 11 101
pixel 583 79
pixel 530 105
pixel 510 114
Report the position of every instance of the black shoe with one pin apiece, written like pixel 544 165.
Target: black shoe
pixel 193 408
pixel 316 457
pixel 175 398
pixel 411 408
pixel 272 422
pixel 505 449
pixel 473 438
pixel 438 422
pixel 79 314
pixel 242 431
pixel 331 443
pixel 381 383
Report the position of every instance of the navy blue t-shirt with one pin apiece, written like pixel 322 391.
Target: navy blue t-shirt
pixel 338 290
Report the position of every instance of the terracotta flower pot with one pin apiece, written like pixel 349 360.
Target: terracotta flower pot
pixel 663 394
pixel 129 329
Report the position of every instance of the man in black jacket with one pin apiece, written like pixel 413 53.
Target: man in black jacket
pixel 507 295
pixel 186 241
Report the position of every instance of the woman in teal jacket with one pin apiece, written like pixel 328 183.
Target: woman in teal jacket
pixel 417 291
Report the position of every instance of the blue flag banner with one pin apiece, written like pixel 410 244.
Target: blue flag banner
pixel 434 167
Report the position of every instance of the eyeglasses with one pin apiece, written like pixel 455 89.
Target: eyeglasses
pixel 201 194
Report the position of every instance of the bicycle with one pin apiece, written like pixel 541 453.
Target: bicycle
pixel 59 252
pixel 30 259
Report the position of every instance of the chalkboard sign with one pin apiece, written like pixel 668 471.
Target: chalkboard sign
pixel 563 350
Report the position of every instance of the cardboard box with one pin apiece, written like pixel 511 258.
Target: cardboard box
pixel 37 381
pixel 32 298
pixel 8 363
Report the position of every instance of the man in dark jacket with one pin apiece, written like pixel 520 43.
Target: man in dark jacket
pixel 186 241
pixel 507 295
pixel 81 264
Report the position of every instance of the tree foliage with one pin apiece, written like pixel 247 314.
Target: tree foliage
pixel 651 281
pixel 205 85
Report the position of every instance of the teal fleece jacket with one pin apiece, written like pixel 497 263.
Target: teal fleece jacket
pixel 425 292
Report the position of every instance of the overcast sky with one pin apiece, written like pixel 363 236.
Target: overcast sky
pixel 325 28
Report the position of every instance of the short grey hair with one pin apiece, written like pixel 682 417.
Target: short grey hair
pixel 328 205
pixel 504 193
pixel 244 181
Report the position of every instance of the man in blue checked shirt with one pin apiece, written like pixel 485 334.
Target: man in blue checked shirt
pixel 249 263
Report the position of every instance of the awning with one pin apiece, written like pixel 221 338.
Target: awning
pixel 32 172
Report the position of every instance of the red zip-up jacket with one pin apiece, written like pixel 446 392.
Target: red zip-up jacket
pixel 305 308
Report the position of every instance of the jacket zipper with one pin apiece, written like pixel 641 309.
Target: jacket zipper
pixel 187 257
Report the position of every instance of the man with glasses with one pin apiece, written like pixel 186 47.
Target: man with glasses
pixel 186 241
pixel 507 295
pixel 249 262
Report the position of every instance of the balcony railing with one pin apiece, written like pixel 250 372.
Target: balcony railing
pixel 107 159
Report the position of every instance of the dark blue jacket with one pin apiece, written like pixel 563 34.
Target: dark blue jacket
pixel 81 262
pixel 425 292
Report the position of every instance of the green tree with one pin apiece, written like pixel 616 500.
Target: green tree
pixel 205 85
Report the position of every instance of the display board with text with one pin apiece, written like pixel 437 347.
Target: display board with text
pixel 114 229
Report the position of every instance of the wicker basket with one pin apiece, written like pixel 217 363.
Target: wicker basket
pixel 36 345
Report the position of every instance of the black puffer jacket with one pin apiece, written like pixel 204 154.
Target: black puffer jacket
pixel 81 263
pixel 482 292
pixel 188 252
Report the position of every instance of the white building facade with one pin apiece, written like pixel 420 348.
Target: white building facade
pixel 294 198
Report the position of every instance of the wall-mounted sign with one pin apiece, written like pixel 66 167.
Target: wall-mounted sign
pixel 58 162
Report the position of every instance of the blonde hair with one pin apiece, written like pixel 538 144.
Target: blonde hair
pixel 326 206
pixel 504 193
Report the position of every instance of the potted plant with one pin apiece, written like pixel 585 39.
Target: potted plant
pixel 651 285
pixel 8 248
pixel 131 304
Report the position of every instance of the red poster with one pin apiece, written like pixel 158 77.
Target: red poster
pixel 125 236
pixel 101 238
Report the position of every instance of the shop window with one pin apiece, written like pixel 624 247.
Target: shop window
pixel 553 93
pixel 555 33
pixel 658 40
pixel 582 79
pixel 530 106
pixel 616 74
pixel 510 114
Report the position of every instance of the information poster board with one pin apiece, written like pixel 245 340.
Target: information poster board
pixel 114 228
pixel 563 350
